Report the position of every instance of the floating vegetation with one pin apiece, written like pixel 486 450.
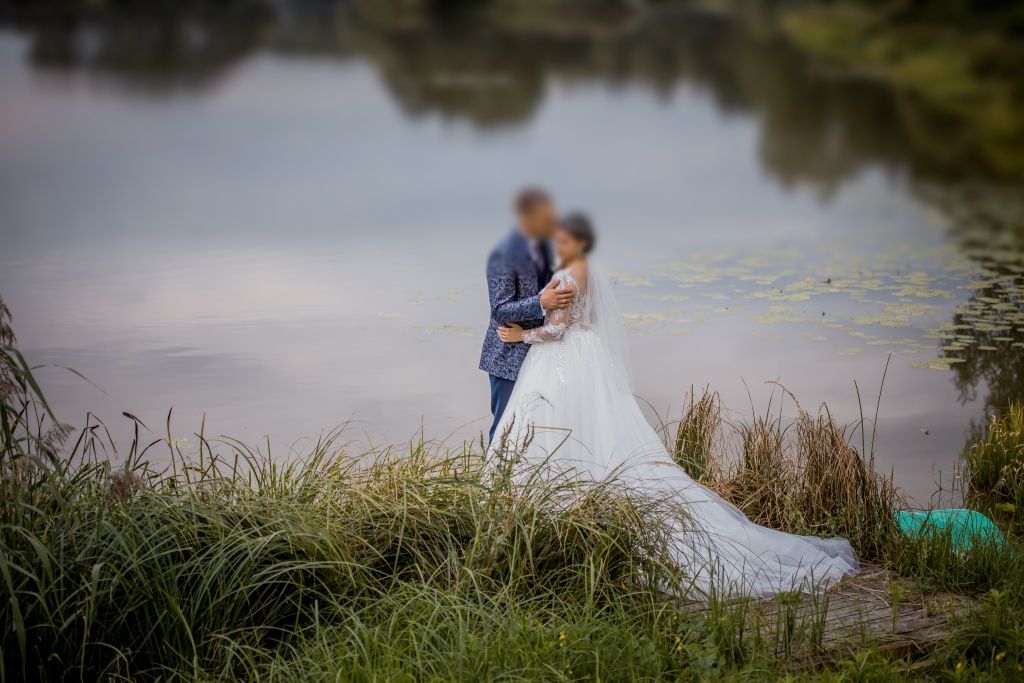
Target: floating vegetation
pixel 940 363
pixel 450 297
pixel 457 330
pixel 854 294
pixel 630 280
pixel 985 334
pixel 779 314
pixel 651 323
pixel 956 307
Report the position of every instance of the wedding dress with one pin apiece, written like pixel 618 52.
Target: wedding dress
pixel 573 398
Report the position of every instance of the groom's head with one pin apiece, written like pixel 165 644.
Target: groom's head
pixel 536 213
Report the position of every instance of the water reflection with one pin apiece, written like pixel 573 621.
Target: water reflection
pixel 984 342
pixel 492 68
pixel 277 214
pixel 180 47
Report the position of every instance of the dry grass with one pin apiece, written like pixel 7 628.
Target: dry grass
pixel 802 475
pixel 697 436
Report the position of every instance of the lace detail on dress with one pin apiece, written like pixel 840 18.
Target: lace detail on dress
pixel 556 323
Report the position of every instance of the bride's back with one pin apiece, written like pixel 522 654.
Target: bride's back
pixel 575 276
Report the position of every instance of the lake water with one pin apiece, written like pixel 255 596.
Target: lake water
pixel 280 221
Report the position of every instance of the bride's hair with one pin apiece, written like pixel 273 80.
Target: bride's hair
pixel 580 227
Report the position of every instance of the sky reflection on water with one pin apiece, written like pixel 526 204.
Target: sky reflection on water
pixel 286 249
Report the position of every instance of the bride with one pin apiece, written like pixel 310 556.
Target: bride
pixel 573 397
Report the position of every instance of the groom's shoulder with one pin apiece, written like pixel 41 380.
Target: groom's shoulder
pixel 508 243
pixel 505 248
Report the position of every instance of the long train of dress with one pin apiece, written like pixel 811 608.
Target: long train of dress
pixel 585 420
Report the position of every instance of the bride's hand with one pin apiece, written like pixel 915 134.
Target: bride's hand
pixel 510 333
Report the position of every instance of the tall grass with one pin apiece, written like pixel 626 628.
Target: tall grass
pixel 803 475
pixel 426 563
pixel 126 572
pixel 697 433
pixel 994 464
pixel 28 427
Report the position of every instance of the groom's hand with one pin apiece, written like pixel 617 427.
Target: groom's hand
pixel 553 298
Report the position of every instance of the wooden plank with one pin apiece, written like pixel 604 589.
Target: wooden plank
pixel 816 630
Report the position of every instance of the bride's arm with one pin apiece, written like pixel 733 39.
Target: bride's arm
pixel 506 308
pixel 554 328
pixel 555 324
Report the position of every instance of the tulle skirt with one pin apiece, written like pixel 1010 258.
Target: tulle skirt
pixel 585 423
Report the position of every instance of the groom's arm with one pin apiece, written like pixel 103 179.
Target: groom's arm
pixel 501 289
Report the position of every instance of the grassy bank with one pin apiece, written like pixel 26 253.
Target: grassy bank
pixel 421 564
pixel 994 465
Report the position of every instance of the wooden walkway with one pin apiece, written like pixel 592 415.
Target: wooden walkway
pixel 874 608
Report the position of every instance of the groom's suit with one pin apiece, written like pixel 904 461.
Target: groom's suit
pixel 516 272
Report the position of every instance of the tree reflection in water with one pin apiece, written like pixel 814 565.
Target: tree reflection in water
pixel 489 64
pixel 986 336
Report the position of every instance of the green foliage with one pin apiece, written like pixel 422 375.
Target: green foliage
pixel 29 433
pixel 995 463
pixel 422 564
pixel 128 572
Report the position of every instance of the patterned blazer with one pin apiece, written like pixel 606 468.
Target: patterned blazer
pixel 512 286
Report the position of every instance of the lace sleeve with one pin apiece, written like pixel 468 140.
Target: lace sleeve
pixel 554 328
pixel 556 322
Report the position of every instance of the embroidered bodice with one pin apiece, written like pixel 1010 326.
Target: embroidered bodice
pixel 556 323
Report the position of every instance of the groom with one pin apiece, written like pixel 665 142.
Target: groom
pixel 518 284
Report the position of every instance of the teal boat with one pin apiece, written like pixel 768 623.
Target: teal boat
pixel 964 527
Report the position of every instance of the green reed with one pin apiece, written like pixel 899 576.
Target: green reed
pixel 424 561
pixel 994 464
pixel 803 475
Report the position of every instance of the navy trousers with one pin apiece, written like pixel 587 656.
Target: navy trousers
pixel 501 390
